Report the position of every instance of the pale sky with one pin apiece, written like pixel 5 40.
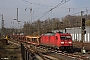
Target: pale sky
pixel 9 10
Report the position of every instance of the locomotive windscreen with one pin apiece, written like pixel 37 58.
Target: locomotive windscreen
pixel 65 37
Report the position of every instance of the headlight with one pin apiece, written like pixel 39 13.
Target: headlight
pixel 62 42
pixel 69 42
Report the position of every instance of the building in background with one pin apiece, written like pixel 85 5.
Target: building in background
pixel 76 33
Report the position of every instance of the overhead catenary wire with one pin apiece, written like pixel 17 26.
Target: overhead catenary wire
pixel 61 3
pixel 35 3
pixel 53 7
pixel 80 12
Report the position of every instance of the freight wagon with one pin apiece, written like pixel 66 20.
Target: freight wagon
pixel 62 41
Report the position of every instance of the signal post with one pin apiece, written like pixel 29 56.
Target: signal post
pixel 83 32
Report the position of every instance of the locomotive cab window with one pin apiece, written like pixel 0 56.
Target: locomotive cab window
pixel 65 37
pixel 62 37
pixel 68 37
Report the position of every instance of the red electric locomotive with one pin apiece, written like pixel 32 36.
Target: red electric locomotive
pixel 59 40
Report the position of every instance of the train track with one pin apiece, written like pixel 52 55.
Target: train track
pixel 69 55
pixel 40 54
pixel 47 57
pixel 51 54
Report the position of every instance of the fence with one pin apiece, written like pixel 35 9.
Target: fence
pixel 27 54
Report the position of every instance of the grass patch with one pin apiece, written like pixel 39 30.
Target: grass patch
pixel 10 51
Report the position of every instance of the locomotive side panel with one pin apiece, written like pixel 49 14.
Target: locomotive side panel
pixel 57 40
pixel 52 40
pixel 48 40
pixel 43 40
